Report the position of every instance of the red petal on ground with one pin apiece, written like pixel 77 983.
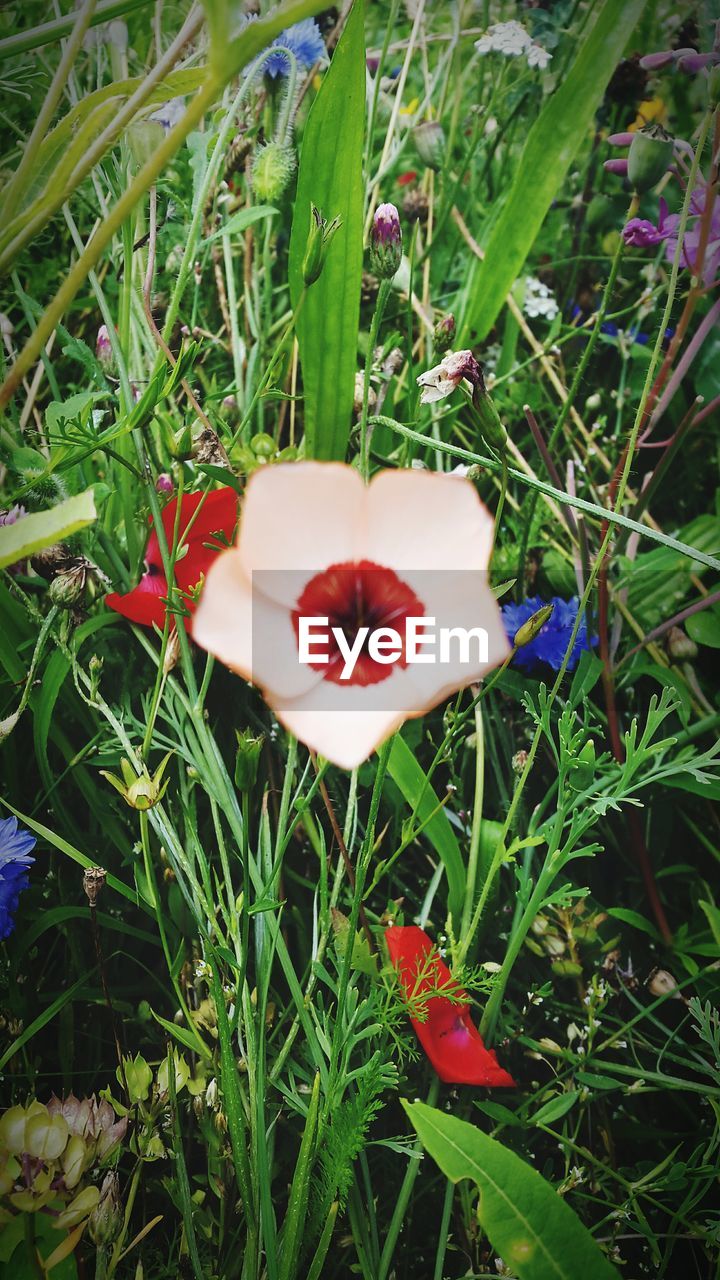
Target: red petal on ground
pixel 448 1035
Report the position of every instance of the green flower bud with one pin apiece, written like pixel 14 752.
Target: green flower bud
pixel 247 759
pixel 532 628
pixel 650 156
pixel 429 139
pixel 138 1077
pixel 141 791
pixel 444 333
pixel 182 445
pixel 386 242
pixel 488 418
pixel 318 242
pixel 263 445
pixel 272 170
pixel 45 1135
pixel 67 588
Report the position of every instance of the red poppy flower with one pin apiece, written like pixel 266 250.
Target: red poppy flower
pixel 218 515
pixel 448 1035
pixel 405 179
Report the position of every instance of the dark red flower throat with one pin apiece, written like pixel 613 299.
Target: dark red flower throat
pixel 351 595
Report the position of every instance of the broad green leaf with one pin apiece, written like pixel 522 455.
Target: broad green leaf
pixel 554 139
pixel 410 779
pixel 532 1228
pixel 42 528
pixel 241 221
pixel 331 178
pixel 704 628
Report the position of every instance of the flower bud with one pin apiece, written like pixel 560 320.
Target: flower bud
pixel 182 445
pixel 429 139
pixel 532 628
pixel 263 446
pixel 164 483
pixel 103 347
pixel 488 418
pixel 662 983
pixel 650 157
pixel 67 588
pixel 518 762
pixel 138 1077
pixel 656 61
pixel 619 167
pixel 680 646
pixel 444 332
pixel 106 1218
pixel 272 170
pixel 318 242
pixel 247 759
pixel 141 791
pixel 386 242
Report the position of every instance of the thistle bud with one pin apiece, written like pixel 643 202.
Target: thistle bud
pixel 247 759
pixel 650 156
pixel 532 628
pixel 680 646
pixel 103 347
pixel 386 242
pixel 67 587
pixel 444 332
pixel 429 139
pixel 318 242
pixel 272 170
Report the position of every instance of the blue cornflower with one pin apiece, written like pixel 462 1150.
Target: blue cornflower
pixel 552 640
pixel 304 40
pixel 15 862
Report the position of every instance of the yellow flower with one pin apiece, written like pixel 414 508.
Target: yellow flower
pixel 652 111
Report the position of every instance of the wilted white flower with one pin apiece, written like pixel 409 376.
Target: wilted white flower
pixel 440 381
pixel 539 300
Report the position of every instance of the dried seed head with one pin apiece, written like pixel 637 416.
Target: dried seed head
pixel 93 883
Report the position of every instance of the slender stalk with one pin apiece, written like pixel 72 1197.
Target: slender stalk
pixel 380 304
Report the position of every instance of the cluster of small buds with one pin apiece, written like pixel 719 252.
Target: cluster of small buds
pixel 512 40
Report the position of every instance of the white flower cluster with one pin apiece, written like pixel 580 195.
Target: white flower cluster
pixel 512 39
pixel 539 300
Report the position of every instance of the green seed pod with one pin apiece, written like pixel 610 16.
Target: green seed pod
pixel 263 445
pixel 650 157
pixel 272 170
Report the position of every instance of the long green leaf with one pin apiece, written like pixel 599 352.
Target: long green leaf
pixel 532 1228
pixel 410 779
pixel 330 177
pixel 297 1204
pixel 42 528
pixel 551 146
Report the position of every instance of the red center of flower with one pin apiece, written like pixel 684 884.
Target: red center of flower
pixel 353 595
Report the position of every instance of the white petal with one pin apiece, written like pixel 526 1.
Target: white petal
pixel 422 521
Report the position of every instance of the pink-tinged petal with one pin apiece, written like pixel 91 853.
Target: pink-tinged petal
pixel 144 603
pixel 619 167
pixel 420 520
pixel 621 139
pixel 300 517
pixel 654 61
pixel 250 633
pixel 334 721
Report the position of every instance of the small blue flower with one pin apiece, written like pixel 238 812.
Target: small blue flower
pixel 551 642
pixel 304 40
pixel 15 862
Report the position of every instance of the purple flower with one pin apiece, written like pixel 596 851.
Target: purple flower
pixel 551 642
pixel 303 40
pixel 386 242
pixel 15 846
pixel 12 515
pixel 640 233
pixel 693 233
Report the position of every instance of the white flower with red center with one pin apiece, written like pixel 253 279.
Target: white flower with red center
pixel 316 542
pixel 444 378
